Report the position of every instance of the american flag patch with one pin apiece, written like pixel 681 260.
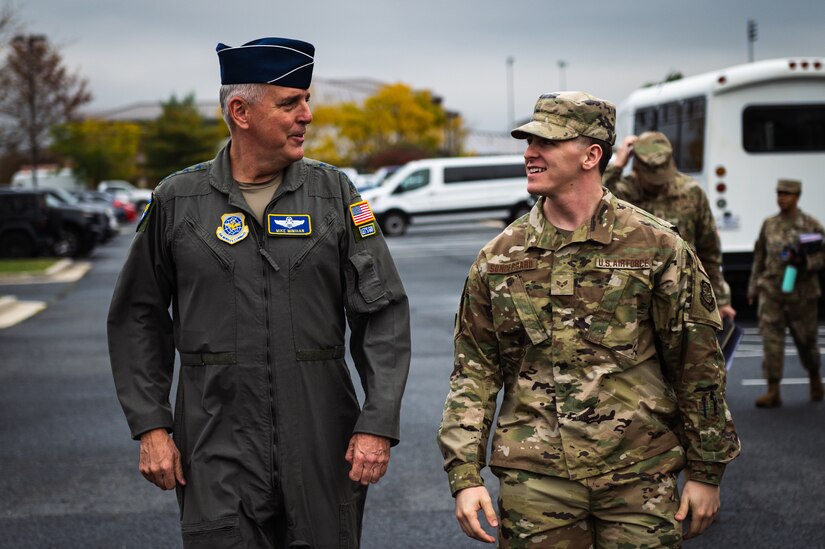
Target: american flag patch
pixel 361 213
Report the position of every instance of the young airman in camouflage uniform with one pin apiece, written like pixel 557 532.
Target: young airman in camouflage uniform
pixel 798 309
pixel 657 187
pixel 599 323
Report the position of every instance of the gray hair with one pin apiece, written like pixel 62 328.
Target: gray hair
pixel 251 93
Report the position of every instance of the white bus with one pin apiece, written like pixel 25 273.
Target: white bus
pixel 737 130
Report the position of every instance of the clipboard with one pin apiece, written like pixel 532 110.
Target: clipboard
pixel 729 337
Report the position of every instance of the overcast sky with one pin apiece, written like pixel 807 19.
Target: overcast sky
pixel 139 50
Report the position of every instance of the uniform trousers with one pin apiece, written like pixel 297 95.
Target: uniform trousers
pixel 800 317
pixel 626 508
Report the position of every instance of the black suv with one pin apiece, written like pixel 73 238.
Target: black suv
pixel 26 227
pixel 34 223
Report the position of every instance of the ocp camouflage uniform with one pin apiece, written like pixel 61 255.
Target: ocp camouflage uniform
pixel 684 204
pixel 569 326
pixel 796 310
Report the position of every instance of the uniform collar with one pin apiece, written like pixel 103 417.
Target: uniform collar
pixel 220 177
pixel 541 233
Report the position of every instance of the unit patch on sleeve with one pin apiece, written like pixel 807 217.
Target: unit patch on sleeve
pixel 233 228
pixel 289 224
pixel 361 213
pixel 367 230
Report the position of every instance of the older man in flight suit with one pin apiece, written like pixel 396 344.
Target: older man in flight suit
pixel 264 257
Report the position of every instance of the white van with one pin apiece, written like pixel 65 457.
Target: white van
pixel 438 190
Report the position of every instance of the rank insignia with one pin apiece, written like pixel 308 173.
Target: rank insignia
pixel 233 228
pixel 367 230
pixel 706 296
pixel 289 224
pixel 361 213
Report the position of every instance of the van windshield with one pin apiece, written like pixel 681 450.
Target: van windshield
pixel 415 180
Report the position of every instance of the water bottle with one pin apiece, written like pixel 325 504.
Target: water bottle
pixel 789 279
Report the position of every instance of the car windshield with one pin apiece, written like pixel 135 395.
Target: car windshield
pixel 64 196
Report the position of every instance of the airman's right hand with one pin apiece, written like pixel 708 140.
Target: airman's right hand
pixel 467 504
pixel 160 461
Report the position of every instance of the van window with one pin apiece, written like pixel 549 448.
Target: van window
pixel 464 174
pixel 783 128
pixel 683 122
pixel 415 180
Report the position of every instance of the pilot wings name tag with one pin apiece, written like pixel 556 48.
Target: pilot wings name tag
pixel 289 225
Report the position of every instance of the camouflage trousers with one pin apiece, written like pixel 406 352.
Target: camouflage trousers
pixel 630 508
pixel 801 319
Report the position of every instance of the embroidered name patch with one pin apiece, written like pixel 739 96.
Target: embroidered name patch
pixel 367 230
pixel 289 224
pixel 361 213
pixel 622 263
pixel 233 228
pixel 513 267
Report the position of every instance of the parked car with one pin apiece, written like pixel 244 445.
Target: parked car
pixel 125 211
pixel 102 216
pixel 26 227
pixel 138 197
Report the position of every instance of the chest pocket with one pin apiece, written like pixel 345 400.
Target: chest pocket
pixel 517 313
pixel 619 310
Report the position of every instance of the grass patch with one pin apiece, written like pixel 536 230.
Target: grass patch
pixel 26 266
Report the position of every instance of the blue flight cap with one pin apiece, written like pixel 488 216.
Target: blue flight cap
pixel 279 61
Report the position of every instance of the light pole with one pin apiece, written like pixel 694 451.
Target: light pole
pixel 32 47
pixel 562 82
pixel 511 110
pixel 751 38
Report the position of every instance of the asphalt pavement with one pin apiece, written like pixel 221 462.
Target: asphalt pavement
pixel 70 469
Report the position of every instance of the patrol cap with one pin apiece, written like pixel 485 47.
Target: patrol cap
pixel 567 115
pixel 654 158
pixel 280 61
pixel 789 186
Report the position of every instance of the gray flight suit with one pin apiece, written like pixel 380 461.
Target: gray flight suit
pixel 265 404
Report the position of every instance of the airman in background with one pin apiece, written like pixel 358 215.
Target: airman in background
pixel 657 187
pixel 779 248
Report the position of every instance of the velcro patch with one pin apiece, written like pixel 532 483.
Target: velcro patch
pixel 622 263
pixel 512 267
pixel 289 224
pixel 367 230
pixel 361 213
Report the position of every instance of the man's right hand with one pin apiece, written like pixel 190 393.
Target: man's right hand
pixel 467 504
pixel 160 461
pixel 625 151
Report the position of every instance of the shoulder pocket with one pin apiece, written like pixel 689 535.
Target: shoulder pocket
pixel 703 308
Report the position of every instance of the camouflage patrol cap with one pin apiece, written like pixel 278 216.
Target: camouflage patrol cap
pixel 654 158
pixel 789 186
pixel 567 115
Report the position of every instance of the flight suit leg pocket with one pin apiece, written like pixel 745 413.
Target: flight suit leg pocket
pixel 224 533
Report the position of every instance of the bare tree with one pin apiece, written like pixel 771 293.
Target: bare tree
pixel 36 92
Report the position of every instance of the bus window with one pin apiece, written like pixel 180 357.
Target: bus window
pixel 644 120
pixel 783 128
pixel 692 146
pixel 669 122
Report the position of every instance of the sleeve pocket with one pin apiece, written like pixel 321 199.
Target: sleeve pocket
pixel 370 287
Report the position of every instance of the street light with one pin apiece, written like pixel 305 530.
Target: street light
pixel 30 45
pixel 562 83
pixel 511 111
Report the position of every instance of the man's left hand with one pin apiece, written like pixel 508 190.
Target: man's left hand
pixel 701 501
pixel 369 456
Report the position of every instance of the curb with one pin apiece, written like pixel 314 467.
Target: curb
pixel 13 311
